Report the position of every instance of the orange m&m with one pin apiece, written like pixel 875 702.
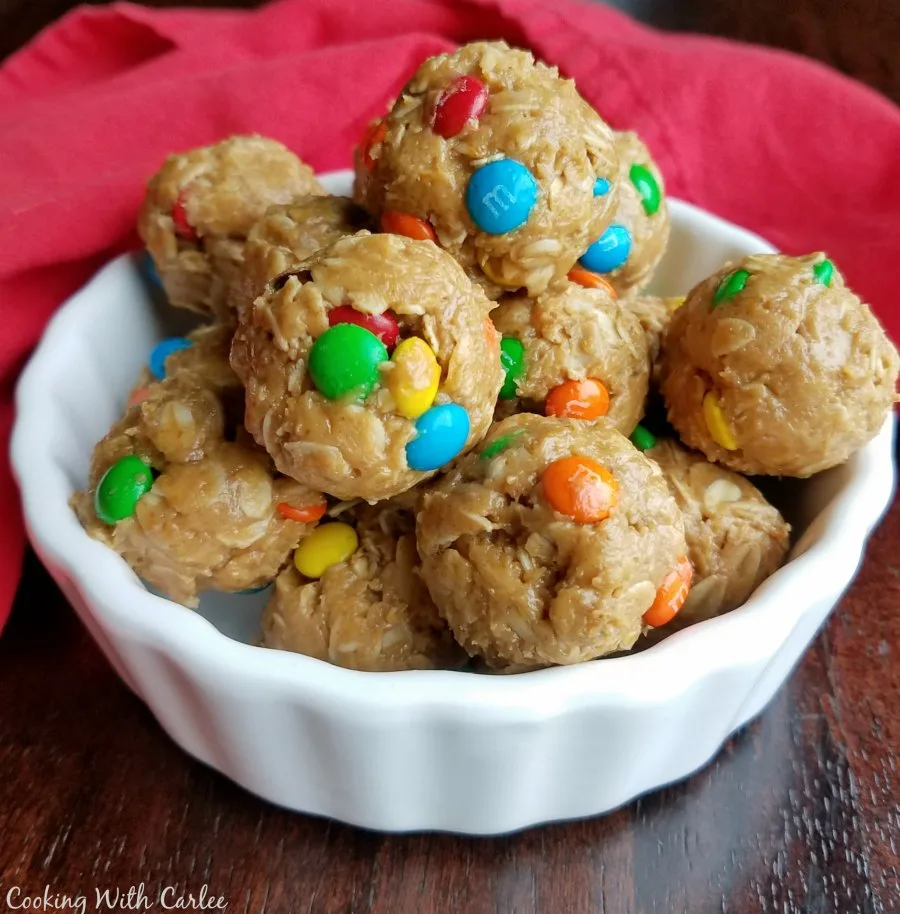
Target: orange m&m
pixel 671 595
pixel 587 399
pixel 306 515
pixel 407 224
pixel 591 280
pixel 580 488
pixel 375 134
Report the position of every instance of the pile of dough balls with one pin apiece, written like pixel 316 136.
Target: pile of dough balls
pixel 445 424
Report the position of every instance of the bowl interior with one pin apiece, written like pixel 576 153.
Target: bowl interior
pixel 112 324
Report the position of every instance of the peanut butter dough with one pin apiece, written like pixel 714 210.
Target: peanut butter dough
pixel 735 538
pixel 773 366
pixel 523 585
pixel 532 118
pixel 352 447
pixel 573 333
pixel 370 612
pixel 201 205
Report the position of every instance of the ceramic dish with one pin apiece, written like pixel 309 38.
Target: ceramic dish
pixel 418 750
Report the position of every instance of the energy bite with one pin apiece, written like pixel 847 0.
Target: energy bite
pixel 773 366
pixel 552 545
pixel 633 244
pixel 735 538
pixel 369 608
pixel 187 508
pixel 369 367
pixel 573 352
pixel 200 206
pixel 498 159
pixel 288 234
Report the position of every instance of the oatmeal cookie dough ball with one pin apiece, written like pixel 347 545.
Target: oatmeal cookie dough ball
pixel 735 538
pixel 654 313
pixel 554 544
pixel 369 367
pixel 200 206
pixel 773 366
pixel 499 159
pixel 288 234
pixel 573 352
pixel 186 508
pixel 369 608
pixel 633 244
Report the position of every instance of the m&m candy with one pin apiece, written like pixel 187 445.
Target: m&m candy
pixel 512 358
pixel 120 488
pixel 138 395
pixel 441 433
pixel 183 228
pixel 642 439
pixel 149 269
pixel 601 187
pixel 500 196
pixel 716 424
pixel 731 285
pixel 591 280
pixel 344 360
pixel 414 377
pixel 464 100
pixel 824 272
pixel 383 325
pixel 499 445
pixel 163 350
pixel 308 514
pixel 325 546
pixel 671 595
pixel 374 136
pixel 587 399
pixel 609 251
pixel 580 488
pixel 406 224
pixel 647 186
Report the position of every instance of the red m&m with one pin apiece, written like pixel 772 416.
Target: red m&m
pixel 384 326
pixel 179 217
pixel 465 99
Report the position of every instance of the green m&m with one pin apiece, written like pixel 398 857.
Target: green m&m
pixel 647 186
pixel 824 271
pixel 512 358
pixel 344 360
pixel 499 445
pixel 731 285
pixel 642 439
pixel 120 489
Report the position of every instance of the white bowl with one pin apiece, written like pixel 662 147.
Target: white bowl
pixel 417 750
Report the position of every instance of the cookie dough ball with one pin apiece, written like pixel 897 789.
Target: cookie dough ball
pixel 551 544
pixel 632 246
pixel 369 367
pixel 186 508
pixel 735 538
pixel 500 159
pixel 654 313
pixel 773 366
pixel 201 205
pixel 573 352
pixel 287 235
pixel 368 611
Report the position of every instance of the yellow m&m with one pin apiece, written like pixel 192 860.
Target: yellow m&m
pixel 716 425
pixel 325 546
pixel 414 377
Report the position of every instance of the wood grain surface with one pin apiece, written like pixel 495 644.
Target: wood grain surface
pixel 799 813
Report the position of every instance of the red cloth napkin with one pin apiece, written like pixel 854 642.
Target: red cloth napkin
pixel 90 108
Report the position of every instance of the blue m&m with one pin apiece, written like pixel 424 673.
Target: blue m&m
pixel 500 196
pixel 609 251
pixel 441 433
pixel 601 187
pixel 163 350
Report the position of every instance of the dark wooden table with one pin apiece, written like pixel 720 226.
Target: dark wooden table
pixel 799 813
